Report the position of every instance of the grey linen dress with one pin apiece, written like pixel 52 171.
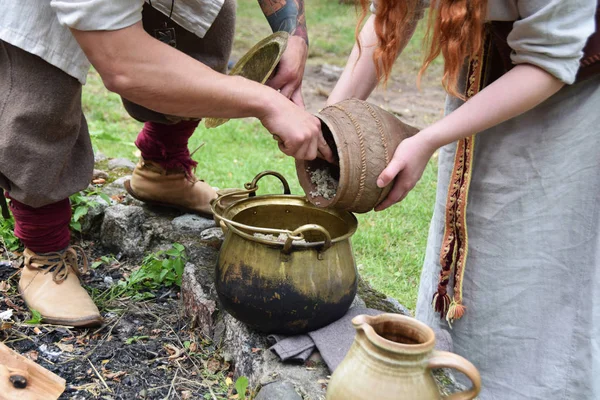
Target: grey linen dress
pixel 532 278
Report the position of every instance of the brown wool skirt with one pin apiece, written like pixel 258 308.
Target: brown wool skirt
pixel 45 149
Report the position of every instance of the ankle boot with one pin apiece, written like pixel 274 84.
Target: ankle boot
pixel 153 184
pixel 50 285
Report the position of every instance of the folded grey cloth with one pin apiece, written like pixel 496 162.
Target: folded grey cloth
pixel 294 348
pixel 334 340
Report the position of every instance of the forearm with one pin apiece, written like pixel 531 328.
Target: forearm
pixel 154 75
pixel 286 15
pixel 516 92
pixel 359 78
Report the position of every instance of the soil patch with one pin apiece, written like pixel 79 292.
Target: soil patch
pixel 144 350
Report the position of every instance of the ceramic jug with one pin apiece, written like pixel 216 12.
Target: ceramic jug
pixel 391 358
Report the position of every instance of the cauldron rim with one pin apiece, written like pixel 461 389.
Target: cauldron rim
pixel 232 210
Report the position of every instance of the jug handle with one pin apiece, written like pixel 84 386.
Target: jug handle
pixel 298 234
pixel 444 359
pixel 252 185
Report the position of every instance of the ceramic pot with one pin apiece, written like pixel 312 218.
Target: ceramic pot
pixel 364 137
pixel 296 284
pixel 391 359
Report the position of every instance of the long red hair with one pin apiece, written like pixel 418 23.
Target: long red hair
pixel 455 29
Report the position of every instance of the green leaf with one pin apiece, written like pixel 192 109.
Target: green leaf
pixel 241 384
pixel 79 212
pixel 35 319
pixel 96 264
pixel 178 247
pixel 104 197
pixel 76 226
pixel 173 253
pixel 163 274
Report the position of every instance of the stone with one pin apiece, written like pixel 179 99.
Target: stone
pixel 99 174
pixel 280 390
pixel 248 351
pixel 192 223
pixel 198 303
pixel 99 156
pixel 91 222
pixel 116 187
pixel 378 301
pixel 213 237
pixel 121 230
pixel 121 163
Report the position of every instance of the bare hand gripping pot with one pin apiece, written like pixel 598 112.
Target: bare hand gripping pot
pixel 364 137
pixel 391 359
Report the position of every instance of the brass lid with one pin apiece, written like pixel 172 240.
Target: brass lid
pixel 257 65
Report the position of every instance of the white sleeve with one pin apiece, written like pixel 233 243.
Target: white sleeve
pixel 551 34
pixel 97 15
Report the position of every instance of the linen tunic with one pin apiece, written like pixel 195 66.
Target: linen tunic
pixel 42 27
pixel 531 285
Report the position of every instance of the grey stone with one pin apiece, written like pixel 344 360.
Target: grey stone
pixel 250 356
pixel 278 391
pixel 99 156
pixel 357 302
pixel 116 187
pixel 100 174
pixel 198 303
pixel 91 222
pixel 122 230
pixel 378 301
pixel 123 163
pixel 192 223
pixel 212 234
pixel 399 307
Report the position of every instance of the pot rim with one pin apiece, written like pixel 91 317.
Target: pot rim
pixel 366 322
pixel 249 202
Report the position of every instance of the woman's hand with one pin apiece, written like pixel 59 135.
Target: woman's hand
pixel 405 169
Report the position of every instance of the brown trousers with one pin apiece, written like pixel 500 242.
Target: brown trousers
pixel 45 148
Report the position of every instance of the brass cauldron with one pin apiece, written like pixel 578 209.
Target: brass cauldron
pixel 299 283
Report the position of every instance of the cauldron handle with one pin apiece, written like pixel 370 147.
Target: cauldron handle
pixel 298 234
pixel 252 185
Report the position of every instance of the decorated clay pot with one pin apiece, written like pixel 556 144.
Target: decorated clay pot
pixel 364 138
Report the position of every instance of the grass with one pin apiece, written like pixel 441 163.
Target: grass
pixel 389 246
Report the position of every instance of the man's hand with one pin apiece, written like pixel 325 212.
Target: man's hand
pixel 287 78
pixel 297 132
pixel 288 16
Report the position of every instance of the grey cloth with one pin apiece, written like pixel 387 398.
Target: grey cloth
pixel 532 321
pixel 334 340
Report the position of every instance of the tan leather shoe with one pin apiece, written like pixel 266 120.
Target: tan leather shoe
pixel 153 184
pixel 50 285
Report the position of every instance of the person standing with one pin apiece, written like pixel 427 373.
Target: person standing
pixel 518 167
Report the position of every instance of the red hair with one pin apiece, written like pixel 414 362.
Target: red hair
pixel 455 29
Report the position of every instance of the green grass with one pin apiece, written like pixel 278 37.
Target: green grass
pixel 389 246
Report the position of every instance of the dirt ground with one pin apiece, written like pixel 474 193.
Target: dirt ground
pixel 417 107
pixel 144 350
